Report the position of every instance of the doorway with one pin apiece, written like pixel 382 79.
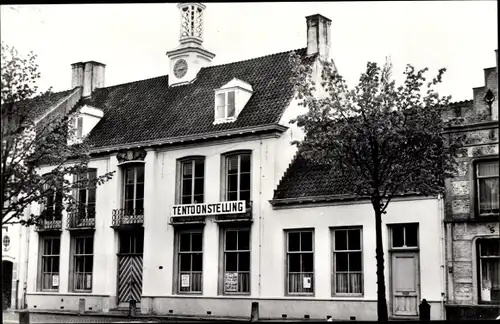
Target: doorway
pixel 7 267
pixel 130 267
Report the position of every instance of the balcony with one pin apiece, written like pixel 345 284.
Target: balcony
pixel 84 218
pixel 124 218
pixel 48 222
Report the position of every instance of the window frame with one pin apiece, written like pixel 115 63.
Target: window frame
pixel 225 174
pixel 42 255
pixel 479 267
pixel 57 201
pixel 476 188
pixel 85 206
pixel 176 287
pixel 124 168
pixel 222 259
pixel 404 247
pixel 333 255
pixel 225 92
pixel 287 263
pixel 72 272
pixel 180 177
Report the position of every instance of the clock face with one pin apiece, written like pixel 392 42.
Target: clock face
pixel 180 68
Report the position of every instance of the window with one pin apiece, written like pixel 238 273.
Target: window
pixel 225 105
pixel 190 261
pixel 236 261
pixel 134 189
pixel 86 193
pixel 83 261
pixel 404 236
pixel 489 270
pixel 300 262
pixel 347 261
pixel 50 251
pixel 238 177
pixel 192 181
pixel 487 187
pixel 52 209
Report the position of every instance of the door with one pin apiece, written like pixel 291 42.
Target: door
pixel 405 283
pixel 6 284
pixel 130 267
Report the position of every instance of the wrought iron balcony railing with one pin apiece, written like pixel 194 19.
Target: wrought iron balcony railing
pixel 81 219
pixel 127 217
pixel 49 224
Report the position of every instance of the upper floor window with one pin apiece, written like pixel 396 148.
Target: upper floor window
pixel 52 208
pixel 133 182
pixel 230 100
pixel 86 193
pixel 238 175
pixel 225 105
pixel 192 181
pixel 487 187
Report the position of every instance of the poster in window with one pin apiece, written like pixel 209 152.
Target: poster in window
pixel 88 282
pixel 307 283
pixel 231 282
pixel 185 280
pixel 55 281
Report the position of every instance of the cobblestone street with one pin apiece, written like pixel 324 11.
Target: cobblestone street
pixel 13 318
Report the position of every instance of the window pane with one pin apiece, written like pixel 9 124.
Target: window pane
pixel 129 192
pixel 232 196
pixel 82 196
pixel 232 182
pixel 56 246
pixel 199 168
pixel 220 103
pixel 489 168
pixel 230 104
pixel 306 241
pixel 245 195
pixel 294 262
pixel 294 241
pixel 397 236
pixel 140 173
pixel 244 261
pixel 245 181
pixel 198 199
pixel 139 191
pixel 231 240
pixel 129 175
pixel 230 111
pixel 231 261
pixel 245 162
pixel 88 264
pixel 340 240
pixel 185 261
pixel 89 245
pixel 185 242
pixel 91 195
pixel 47 246
pixel 412 235
pixel 139 206
pixel 220 111
pixel 341 263
pixel 355 261
pixel 129 206
pixel 187 187
pixel 488 195
pixel 244 240
pixel 196 242
pixel 490 248
pixel 186 200
pixel 197 261
pixel 354 240
pixel 307 262
pixel 198 186
pixel 232 164
pixel 55 264
pixel 187 170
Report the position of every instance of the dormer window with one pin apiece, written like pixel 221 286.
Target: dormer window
pixel 230 100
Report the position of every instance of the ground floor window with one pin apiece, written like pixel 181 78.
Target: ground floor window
pixel 489 270
pixel 347 261
pixel 83 263
pixel 50 252
pixel 300 261
pixel 190 261
pixel 236 260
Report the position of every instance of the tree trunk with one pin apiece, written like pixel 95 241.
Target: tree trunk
pixel 381 298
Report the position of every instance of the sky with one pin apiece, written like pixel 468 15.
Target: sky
pixel 132 39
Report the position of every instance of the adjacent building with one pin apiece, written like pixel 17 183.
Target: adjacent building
pixel 472 208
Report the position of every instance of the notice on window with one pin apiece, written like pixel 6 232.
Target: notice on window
pixel 307 283
pixel 185 280
pixel 88 282
pixel 231 282
pixel 55 281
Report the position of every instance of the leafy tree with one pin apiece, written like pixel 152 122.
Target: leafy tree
pixel 380 140
pixel 33 136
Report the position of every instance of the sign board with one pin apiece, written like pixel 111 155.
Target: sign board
pixel 55 281
pixel 185 280
pixel 231 282
pixel 219 208
pixel 307 283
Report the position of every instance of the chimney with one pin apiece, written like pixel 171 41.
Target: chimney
pixel 318 35
pixel 88 75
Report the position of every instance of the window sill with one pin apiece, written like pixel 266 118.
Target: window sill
pixel 300 295
pixel 224 120
pixel 347 296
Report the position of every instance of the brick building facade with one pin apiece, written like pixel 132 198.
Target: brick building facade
pixel 472 208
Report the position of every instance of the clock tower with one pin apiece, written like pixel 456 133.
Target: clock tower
pixel 190 56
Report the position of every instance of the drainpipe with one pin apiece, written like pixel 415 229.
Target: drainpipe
pixel 261 228
pixel 442 254
pixel 25 284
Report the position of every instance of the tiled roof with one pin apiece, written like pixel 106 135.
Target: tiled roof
pixel 304 179
pixel 150 110
pixel 41 105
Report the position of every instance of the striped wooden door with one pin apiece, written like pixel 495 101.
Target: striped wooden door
pixel 129 278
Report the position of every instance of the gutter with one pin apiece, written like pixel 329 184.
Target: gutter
pixel 442 252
